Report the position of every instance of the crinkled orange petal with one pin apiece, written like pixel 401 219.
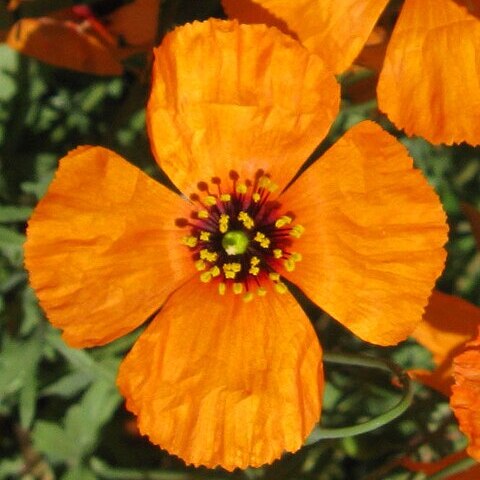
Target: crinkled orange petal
pixel 136 23
pixel 102 249
pixel 465 398
pixel 429 468
pixel 243 97
pixel 334 30
pixel 430 82
pixel 218 381
pixel 374 232
pixel 448 323
pixel 63 45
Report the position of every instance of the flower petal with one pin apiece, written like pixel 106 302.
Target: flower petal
pixel 374 231
pixel 62 44
pixel 430 82
pixel 223 99
pixel 449 322
pixel 102 247
pixel 218 381
pixel 465 399
pixel 334 30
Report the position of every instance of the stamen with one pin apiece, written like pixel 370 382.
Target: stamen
pixel 200 265
pixel 280 287
pixel 297 231
pixel 297 257
pixel 274 276
pixel 262 291
pixel 254 270
pixel 289 264
pixel 262 240
pixel 205 236
pixel 241 188
pixel 223 222
pixel 202 214
pixel 254 261
pixel 237 288
pixel 190 241
pixel 248 297
pixel 277 252
pixel 256 197
pixel 208 256
pixel 215 271
pixel 209 200
pixel 282 221
pixel 225 197
pixel 222 287
pixel 206 277
pixel 247 221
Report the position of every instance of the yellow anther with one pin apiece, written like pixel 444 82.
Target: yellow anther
pixel 277 252
pixel 262 291
pixel 247 221
pixel 274 276
pixel 297 231
pixel 200 265
pixel 190 241
pixel 241 188
pixel 272 187
pixel 282 221
pixel 215 271
pixel 280 287
pixel 204 236
pixel 232 267
pixel 289 264
pixel 254 261
pixel 237 288
pixel 222 288
pixel 202 214
pixel 264 182
pixel 297 257
pixel 208 256
pixel 254 270
pixel 223 222
pixel 230 274
pixel 206 277
pixel 225 197
pixel 256 197
pixel 262 240
pixel 248 297
pixel 210 200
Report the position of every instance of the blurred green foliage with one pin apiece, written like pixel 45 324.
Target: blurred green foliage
pixel 60 413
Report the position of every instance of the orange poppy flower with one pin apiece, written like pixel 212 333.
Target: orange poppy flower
pixel 449 322
pixel 429 82
pixel 78 39
pixel 229 371
pixel 450 332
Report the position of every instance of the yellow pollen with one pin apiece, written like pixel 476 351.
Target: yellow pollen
pixel 280 287
pixel 256 197
pixel 248 297
pixel 262 291
pixel 289 264
pixel 237 288
pixel 297 231
pixel 254 270
pixel 206 277
pixel 277 252
pixel 241 188
pixel 225 197
pixel 208 256
pixel 262 240
pixel 209 200
pixel 274 276
pixel 202 214
pixel 190 241
pixel 200 265
pixel 282 221
pixel 222 288
pixel 297 257
pixel 232 267
pixel 254 261
pixel 223 222
pixel 264 182
pixel 247 221
pixel 215 271
pixel 204 236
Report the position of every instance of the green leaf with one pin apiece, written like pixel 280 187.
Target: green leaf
pixel 12 213
pixel 51 439
pixel 28 400
pixel 69 385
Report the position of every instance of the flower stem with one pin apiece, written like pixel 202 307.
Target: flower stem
pixel 397 410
